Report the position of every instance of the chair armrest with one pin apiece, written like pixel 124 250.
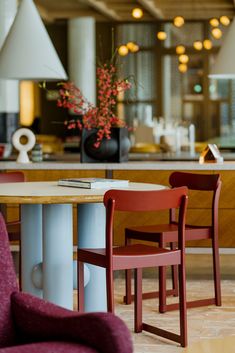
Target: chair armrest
pixel 37 319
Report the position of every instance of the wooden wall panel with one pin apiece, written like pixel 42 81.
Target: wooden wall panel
pixel 226 228
pixel 162 177
pixel 52 175
pixel 227 198
pixel 143 176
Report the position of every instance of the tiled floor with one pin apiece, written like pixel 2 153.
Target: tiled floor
pixel 204 323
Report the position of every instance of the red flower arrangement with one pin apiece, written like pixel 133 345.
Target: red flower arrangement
pixel 103 116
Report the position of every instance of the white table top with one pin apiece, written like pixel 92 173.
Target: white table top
pixel 51 193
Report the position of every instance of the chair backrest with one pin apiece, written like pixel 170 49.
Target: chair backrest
pixel 206 182
pixel 8 284
pixel 200 182
pixel 142 201
pixel 12 177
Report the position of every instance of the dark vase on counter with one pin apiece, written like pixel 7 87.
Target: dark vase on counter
pixel 113 150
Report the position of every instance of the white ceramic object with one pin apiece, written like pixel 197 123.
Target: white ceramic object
pixel 23 148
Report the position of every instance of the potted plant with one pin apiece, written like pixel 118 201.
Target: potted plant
pixel 104 134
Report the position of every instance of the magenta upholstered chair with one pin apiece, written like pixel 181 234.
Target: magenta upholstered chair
pixel 31 325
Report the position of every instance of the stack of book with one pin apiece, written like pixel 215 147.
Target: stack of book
pixel 93 183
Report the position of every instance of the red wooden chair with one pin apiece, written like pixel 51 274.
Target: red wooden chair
pixel 139 256
pixel 167 233
pixel 13 227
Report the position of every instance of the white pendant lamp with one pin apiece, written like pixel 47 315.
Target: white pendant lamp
pixel 28 53
pixel 224 67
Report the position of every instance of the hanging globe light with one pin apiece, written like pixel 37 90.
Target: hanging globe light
pixel 217 33
pixel 183 59
pixel 133 47
pixel 224 20
pixel 178 21
pixel 197 45
pixel 180 49
pixel 123 50
pixel 137 13
pixel 207 43
pixel 183 68
pixel 214 22
pixel 161 35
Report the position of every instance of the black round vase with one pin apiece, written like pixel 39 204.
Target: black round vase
pixel 106 150
pixel 114 149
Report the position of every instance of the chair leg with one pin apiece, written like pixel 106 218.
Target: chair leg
pixel 182 337
pixel 162 289
pixel 80 285
pixel 127 298
pixel 110 290
pixel 216 271
pixel 138 300
pixel 174 274
pixel 183 306
pixel 162 284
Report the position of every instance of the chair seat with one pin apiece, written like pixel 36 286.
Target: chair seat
pixel 130 256
pixel 169 232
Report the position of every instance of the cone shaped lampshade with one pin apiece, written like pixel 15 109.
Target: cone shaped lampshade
pixel 224 66
pixel 28 52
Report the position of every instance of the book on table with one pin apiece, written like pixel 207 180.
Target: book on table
pixel 93 183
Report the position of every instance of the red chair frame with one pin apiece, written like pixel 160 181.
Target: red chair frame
pixel 139 256
pixel 163 234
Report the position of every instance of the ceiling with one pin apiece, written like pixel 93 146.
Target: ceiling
pixel 120 10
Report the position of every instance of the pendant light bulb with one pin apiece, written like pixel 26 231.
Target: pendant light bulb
pixel 197 45
pixel 180 49
pixel 178 21
pixel 161 35
pixel 137 13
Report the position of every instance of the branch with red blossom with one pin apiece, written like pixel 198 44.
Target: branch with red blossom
pixel 103 116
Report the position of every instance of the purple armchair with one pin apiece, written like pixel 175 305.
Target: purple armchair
pixel 31 325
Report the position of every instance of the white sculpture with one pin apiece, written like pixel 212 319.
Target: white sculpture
pixel 23 148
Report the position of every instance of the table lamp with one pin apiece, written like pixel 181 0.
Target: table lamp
pixel 28 54
pixel 224 66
